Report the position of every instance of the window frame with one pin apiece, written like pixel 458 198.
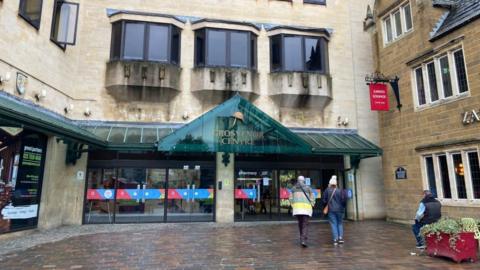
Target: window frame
pixel 54 18
pixel 324 53
pixel 146 42
pixel 467 175
pixel 28 20
pixel 453 77
pixel 393 23
pixel 251 52
pixel 457 83
pixel 404 17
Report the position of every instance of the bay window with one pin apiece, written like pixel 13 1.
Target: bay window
pixel 225 48
pixel 134 40
pixel 298 53
pixel 442 78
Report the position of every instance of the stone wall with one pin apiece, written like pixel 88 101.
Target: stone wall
pixel 77 76
pixel 62 198
pixel 403 131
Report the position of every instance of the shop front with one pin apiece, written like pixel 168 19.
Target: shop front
pixel 22 158
pixel 34 158
pixel 234 163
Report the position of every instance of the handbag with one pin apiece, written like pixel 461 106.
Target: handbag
pixel 325 210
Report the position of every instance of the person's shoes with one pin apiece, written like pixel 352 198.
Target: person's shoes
pixel 335 242
pixel 304 244
pixel 421 246
pixel 340 241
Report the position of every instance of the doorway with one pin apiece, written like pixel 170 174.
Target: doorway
pixel 150 195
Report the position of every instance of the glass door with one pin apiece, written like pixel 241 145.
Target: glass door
pixel 285 182
pixel 140 195
pixel 100 200
pixel 256 195
pixel 190 195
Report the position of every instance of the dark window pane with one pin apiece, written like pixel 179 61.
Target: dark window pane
pixel 432 81
pixel 217 48
pixel 116 40
pixel 442 162
pixel 238 49
pixel 388 30
pixel 175 50
pixel 420 86
pixel 317 2
pixel 474 173
pixel 276 52
pixel 253 51
pixel 293 54
pixel 313 54
pixel 459 176
pixel 461 73
pixel 158 43
pixel 134 40
pixel 398 24
pixel 200 47
pixel 431 176
pixel 31 10
pixel 408 17
pixel 445 73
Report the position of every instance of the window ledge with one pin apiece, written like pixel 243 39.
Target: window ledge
pixel 442 102
pixel 404 35
pixel 299 71
pixel 226 68
pixel 460 202
pixel 142 61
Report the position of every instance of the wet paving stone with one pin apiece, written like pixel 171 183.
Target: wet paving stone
pixel 369 245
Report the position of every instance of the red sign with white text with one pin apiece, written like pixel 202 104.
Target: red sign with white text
pixel 378 97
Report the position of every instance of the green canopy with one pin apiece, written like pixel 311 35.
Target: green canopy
pixel 16 112
pixel 235 126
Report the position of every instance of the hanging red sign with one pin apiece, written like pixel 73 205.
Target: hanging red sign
pixel 378 97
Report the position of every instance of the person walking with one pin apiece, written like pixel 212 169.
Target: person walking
pixel 334 200
pixel 429 211
pixel 302 201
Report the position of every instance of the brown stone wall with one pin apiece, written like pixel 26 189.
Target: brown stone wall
pixel 403 131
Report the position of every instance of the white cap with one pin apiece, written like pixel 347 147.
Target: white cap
pixel 333 181
pixel 301 179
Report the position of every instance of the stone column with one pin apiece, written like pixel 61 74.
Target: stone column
pixel 62 192
pixel 224 197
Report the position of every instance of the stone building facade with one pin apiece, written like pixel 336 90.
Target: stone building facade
pixel 434 136
pixel 91 84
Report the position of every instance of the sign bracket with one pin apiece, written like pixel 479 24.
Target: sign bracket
pixel 378 77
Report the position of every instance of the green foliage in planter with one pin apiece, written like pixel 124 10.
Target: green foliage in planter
pixel 452 227
pixel 444 225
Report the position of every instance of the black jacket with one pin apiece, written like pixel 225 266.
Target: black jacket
pixel 433 210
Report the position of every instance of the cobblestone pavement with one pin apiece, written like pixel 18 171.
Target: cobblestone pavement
pixel 369 245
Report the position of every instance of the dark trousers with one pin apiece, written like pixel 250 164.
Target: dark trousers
pixel 416 231
pixel 303 226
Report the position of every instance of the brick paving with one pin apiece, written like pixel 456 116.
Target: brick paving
pixel 369 245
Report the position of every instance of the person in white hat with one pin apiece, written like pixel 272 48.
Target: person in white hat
pixel 302 201
pixel 334 200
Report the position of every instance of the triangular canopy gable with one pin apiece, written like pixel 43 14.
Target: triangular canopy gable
pixel 235 126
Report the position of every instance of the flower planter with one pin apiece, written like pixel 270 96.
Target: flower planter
pixel 466 246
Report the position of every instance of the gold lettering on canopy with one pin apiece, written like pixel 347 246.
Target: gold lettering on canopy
pixel 242 137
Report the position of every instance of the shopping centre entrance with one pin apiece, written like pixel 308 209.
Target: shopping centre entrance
pixel 139 194
pixel 234 163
